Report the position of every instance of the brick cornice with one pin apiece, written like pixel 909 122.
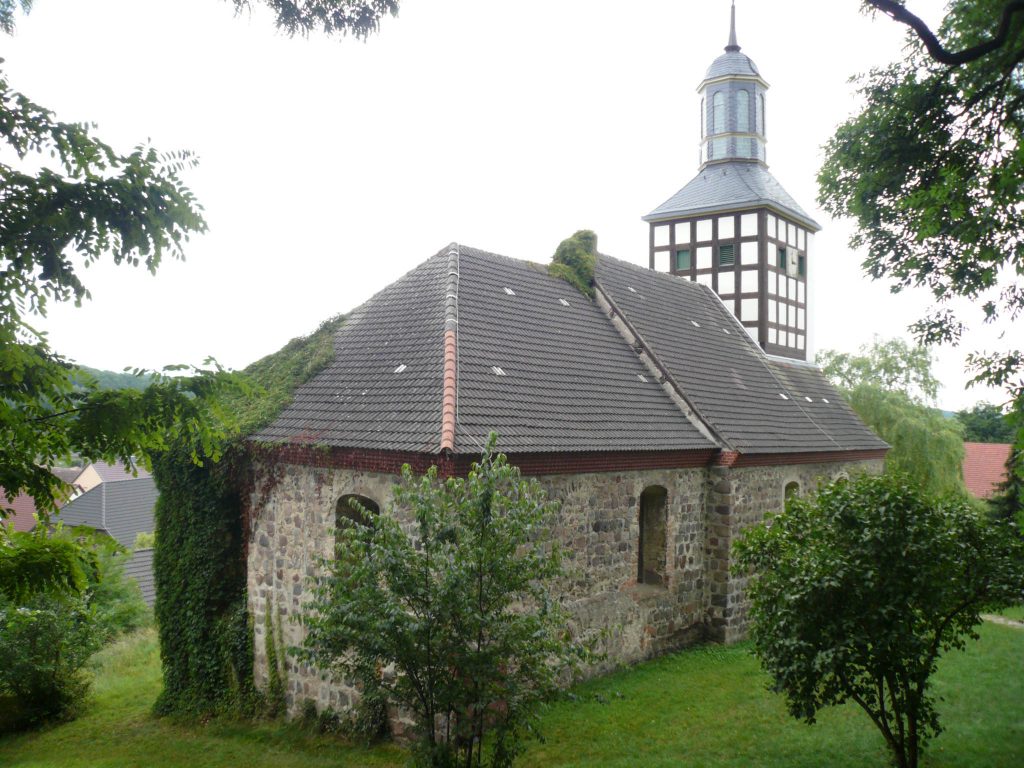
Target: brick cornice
pixel 537 464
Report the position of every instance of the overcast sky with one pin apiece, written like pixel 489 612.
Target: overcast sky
pixel 331 167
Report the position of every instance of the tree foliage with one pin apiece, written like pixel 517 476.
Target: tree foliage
pixel 986 423
pixel 930 170
pixel 890 386
pixel 857 591
pixel 457 604
pixel 359 18
pixel 892 365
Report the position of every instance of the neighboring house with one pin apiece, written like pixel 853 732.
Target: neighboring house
pixel 23 512
pixel 102 472
pixel 122 505
pixel 119 504
pixel 24 506
pixel 985 467
pixel 666 415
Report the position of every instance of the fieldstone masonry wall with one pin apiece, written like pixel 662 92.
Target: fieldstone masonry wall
pixel 599 527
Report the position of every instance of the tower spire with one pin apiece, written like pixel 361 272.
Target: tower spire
pixel 733 45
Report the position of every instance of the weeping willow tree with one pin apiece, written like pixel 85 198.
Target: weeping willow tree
pixel 926 446
pixel 891 387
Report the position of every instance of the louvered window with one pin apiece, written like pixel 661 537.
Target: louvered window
pixel 726 255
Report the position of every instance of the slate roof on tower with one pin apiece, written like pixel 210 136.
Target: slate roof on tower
pixel 543 366
pixel 731 186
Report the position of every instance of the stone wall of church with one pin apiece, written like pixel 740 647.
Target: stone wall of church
pixel 683 594
pixel 742 496
pixel 599 527
pixel 292 526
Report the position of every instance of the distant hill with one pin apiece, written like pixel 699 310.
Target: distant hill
pixel 113 380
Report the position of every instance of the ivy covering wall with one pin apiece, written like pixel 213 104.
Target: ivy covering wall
pixel 199 562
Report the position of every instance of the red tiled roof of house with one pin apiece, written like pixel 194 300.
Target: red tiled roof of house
pixel 24 508
pixel 985 467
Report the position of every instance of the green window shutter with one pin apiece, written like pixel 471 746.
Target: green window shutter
pixel 781 260
pixel 803 266
pixel 683 259
pixel 726 255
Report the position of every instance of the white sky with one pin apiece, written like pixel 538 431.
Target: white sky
pixel 331 167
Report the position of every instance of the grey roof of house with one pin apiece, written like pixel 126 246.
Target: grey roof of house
pixel 115 473
pixel 569 382
pixel 139 566
pixel 122 509
pixel 731 186
pixel 732 384
pixel 732 63
pixel 540 364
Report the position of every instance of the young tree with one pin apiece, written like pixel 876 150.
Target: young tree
pixel 986 423
pixel 891 387
pixel 856 592
pixel 456 603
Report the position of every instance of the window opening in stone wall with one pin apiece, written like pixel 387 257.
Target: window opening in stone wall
pixel 792 489
pixel 653 550
pixel 347 513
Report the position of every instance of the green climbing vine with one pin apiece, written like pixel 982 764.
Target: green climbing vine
pixel 206 634
pixel 574 261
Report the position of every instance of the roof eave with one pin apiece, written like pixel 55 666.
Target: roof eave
pixel 656 215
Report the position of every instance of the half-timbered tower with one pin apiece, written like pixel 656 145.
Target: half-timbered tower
pixel 733 227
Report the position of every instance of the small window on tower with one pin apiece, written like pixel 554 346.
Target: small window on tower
pixel 802 268
pixel 780 260
pixel 683 259
pixel 726 255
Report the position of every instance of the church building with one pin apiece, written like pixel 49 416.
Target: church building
pixel 666 413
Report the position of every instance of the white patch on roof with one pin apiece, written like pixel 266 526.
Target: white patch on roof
pixel 509 291
pixel 563 302
pixel 400 368
pixel 808 399
pixel 695 324
pixel 497 371
pixel 631 289
pixel 727 331
pixel 824 399
pixel 642 377
pixel 783 395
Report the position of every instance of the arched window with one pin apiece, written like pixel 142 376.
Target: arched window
pixel 760 116
pixel 792 489
pixel 703 118
pixel 718 118
pixel 743 111
pixel 348 513
pixel 652 560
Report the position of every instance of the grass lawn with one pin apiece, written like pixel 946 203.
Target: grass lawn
pixel 705 707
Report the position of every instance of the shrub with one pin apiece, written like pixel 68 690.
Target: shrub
pixel 857 592
pixel 449 617
pixel 44 643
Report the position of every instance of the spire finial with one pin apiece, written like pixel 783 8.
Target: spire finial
pixel 733 45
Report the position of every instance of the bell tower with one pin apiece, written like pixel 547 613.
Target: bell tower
pixel 733 227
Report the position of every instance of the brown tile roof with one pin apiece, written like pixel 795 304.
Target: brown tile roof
pixel 985 467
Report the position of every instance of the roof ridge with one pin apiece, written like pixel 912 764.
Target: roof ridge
pixel 449 391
